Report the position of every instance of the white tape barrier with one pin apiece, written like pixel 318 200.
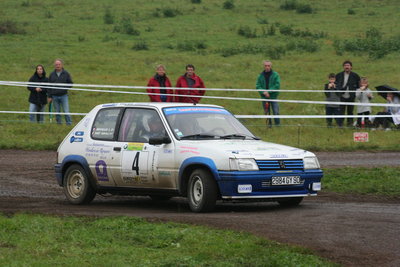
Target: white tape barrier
pixel 218 97
pixel 237 116
pixel 185 88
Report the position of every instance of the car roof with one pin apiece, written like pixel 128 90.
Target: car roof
pixel 158 105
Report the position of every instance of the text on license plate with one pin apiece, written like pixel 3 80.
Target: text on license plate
pixel 285 180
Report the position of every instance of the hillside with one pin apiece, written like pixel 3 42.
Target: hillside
pixel 121 42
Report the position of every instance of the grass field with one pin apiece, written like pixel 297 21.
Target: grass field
pixel 35 240
pixel 383 181
pixel 120 43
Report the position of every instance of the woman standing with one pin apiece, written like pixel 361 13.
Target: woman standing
pixel 37 97
pixel 161 80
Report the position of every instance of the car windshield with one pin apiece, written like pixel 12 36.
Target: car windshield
pixel 199 123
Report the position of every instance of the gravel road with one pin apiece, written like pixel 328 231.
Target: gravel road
pixel 354 231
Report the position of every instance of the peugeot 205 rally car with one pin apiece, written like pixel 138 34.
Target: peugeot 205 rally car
pixel 163 150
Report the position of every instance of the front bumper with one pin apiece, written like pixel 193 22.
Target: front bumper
pixel 261 187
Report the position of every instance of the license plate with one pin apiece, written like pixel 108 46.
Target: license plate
pixel 285 180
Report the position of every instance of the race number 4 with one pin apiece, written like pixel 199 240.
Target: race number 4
pixel 135 164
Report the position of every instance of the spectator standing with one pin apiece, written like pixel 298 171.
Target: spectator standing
pixel 37 97
pixel 59 97
pixel 269 80
pixel 189 80
pixel 363 95
pixel 347 81
pixel 332 96
pixel 161 80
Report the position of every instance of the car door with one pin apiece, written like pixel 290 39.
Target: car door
pixel 144 165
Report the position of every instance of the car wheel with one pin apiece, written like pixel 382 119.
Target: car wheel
pixel 290 202
pixel 77 187
pixel 202 191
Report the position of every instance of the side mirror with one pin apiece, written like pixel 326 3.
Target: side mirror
pixel 159 140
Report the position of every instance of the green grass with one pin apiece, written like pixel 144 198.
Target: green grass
pixel 373 181
pixel 109 52
pixel 36 240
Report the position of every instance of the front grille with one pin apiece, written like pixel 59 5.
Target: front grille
pixel 275 165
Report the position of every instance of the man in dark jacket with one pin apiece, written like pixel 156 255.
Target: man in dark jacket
pixel 189 80
pixel 59 97
pixel 347 81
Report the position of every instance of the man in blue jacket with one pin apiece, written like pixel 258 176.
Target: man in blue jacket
pixel 59 97
pixel 266 81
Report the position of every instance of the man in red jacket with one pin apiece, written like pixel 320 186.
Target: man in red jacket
pixel 161 80
pixel 189 80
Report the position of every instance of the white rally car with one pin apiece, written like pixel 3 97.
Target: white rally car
pixel 163 150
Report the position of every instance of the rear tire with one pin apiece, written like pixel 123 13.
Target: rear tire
pixel 290 202
pixel 202 191
pixel 77 187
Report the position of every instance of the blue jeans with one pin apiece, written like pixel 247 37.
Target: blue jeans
pixel 36 108
pixel 275 110
pixel 58 101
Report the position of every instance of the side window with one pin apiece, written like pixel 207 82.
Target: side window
pixel 104 125
pixel 138 125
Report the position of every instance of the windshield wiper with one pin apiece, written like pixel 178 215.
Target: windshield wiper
pixel 238 136
pixel 197 136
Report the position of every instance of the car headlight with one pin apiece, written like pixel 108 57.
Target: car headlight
pixel 311 163
pixel 243 164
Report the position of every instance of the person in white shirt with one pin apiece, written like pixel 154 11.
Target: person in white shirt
pixel 363 95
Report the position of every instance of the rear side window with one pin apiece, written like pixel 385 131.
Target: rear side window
pixel 105 124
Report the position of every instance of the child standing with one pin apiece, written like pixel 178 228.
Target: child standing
pixel 363 95
pixel 332 96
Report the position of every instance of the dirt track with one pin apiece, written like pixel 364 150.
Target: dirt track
pixel 354 231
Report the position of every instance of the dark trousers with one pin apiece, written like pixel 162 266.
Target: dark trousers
pixel 366 120
pixel 385 122
pixel 333 111
pixel 350 109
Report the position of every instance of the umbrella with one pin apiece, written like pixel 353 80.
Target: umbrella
pixel 386 88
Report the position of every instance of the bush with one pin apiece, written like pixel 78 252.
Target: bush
pixel 26 3
pixel 186 46
pixel 228 4
pixel 140 45
pixel 289 5
pixel 262 21
pixel 303 45
pixel 290 31
pixel 126 26
pixel 286 29
pixel 273 52
pixel 108 17
pixel 304 9
pixel 170 12
pixel 351 11
pixel 196 1
pixel 10 27
pixel 81 38
pixel 373 44
pixel 48 14
pixel 294 5
pixel 247 32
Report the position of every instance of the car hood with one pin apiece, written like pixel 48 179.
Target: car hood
pixel 256 149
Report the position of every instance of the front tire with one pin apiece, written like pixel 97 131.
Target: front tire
pixel 290 202
pixel 77 187
pixel 202 191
